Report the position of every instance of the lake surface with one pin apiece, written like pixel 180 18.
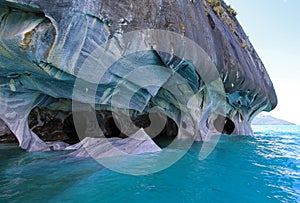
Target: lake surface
pixel 262 168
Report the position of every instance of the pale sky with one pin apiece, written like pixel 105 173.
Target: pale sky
pixel 273 27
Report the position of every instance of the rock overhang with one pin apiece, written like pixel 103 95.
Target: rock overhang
pixel 44 45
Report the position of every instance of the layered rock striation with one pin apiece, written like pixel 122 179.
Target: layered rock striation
pixel 45 47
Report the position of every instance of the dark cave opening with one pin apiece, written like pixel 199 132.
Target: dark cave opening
pixel 109 127
pixel 48 125
pixel 59 126
pixel 87 126
pixel 168 129
pixel 224 125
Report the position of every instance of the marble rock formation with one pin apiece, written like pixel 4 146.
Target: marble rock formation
pixel 44 46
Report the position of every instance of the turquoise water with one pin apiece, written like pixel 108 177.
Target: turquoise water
pixel 263 168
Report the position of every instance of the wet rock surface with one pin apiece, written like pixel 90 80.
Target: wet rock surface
pixel 45 44
pixel 6 136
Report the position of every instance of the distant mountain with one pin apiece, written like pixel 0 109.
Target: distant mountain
pixel 262 119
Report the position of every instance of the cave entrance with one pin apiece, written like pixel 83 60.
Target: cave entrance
pixel 49 125
pixel 224 125
pixel 168 133
pixel 109 127
pixel 88 126
pixel 52 125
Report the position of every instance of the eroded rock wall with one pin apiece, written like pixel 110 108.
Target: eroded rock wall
pixel 44 44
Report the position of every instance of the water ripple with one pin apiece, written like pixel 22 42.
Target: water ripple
pixel 262 168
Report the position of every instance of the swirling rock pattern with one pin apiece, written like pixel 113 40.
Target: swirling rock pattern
pixel 43 45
